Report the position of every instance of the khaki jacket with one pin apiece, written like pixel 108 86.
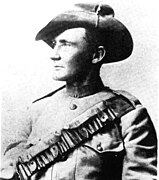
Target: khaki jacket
pixel 125 149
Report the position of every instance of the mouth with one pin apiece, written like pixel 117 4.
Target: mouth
pixel 58 67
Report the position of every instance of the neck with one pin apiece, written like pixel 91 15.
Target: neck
pixel 84 86
pixel 84 79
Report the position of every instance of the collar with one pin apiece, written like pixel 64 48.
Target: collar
pixel 86 90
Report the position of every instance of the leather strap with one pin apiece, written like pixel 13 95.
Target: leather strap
pixel 78 131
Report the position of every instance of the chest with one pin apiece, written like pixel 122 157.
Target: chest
pixel 60 111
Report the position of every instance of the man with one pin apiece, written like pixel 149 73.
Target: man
pixel 84 130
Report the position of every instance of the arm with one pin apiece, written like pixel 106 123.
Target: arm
pixel 140 145
pixel 16 145
pixel 23 143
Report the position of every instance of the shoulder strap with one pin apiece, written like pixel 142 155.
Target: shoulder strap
pixel 134 101
pixel 50 94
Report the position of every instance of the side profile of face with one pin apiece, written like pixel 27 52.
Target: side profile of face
pixel 70 54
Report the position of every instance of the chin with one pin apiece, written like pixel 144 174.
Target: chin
pixel 58 78
pixel 63 77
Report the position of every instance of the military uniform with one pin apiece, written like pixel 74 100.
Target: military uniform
pixel 124 149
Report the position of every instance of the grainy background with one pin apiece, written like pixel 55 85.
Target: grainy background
pixel 26 71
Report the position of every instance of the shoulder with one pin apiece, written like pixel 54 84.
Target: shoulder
pixel 128 96
pixel 134 112
pixel 121 95
pixel 122 102
pixel 131 111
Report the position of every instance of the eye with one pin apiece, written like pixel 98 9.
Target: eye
pixel 66 44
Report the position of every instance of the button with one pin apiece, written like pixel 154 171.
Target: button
pixel 73 106
pixel 57 133
pixel 99 147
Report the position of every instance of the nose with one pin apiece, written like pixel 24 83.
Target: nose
pixel 55 55
pixel 55 58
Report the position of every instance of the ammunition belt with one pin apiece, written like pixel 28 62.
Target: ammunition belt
pixel 78 132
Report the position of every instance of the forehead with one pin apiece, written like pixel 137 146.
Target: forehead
pixel 72 35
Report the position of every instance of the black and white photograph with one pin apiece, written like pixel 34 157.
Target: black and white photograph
pixel 79 91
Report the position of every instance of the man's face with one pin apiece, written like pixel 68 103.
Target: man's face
pixel 70 55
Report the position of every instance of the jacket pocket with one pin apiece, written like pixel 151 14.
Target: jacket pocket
pixel 107 139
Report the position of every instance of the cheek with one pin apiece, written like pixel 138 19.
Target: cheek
pixel 76 61
pixel 75 64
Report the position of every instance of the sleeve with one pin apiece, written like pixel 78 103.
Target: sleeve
pixel 16 143
pixel 140 143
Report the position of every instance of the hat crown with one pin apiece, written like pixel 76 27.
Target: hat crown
pixel 100 9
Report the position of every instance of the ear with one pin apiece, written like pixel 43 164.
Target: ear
pixel 99 54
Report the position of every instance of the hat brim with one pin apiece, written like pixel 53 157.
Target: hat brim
pixel 116 37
